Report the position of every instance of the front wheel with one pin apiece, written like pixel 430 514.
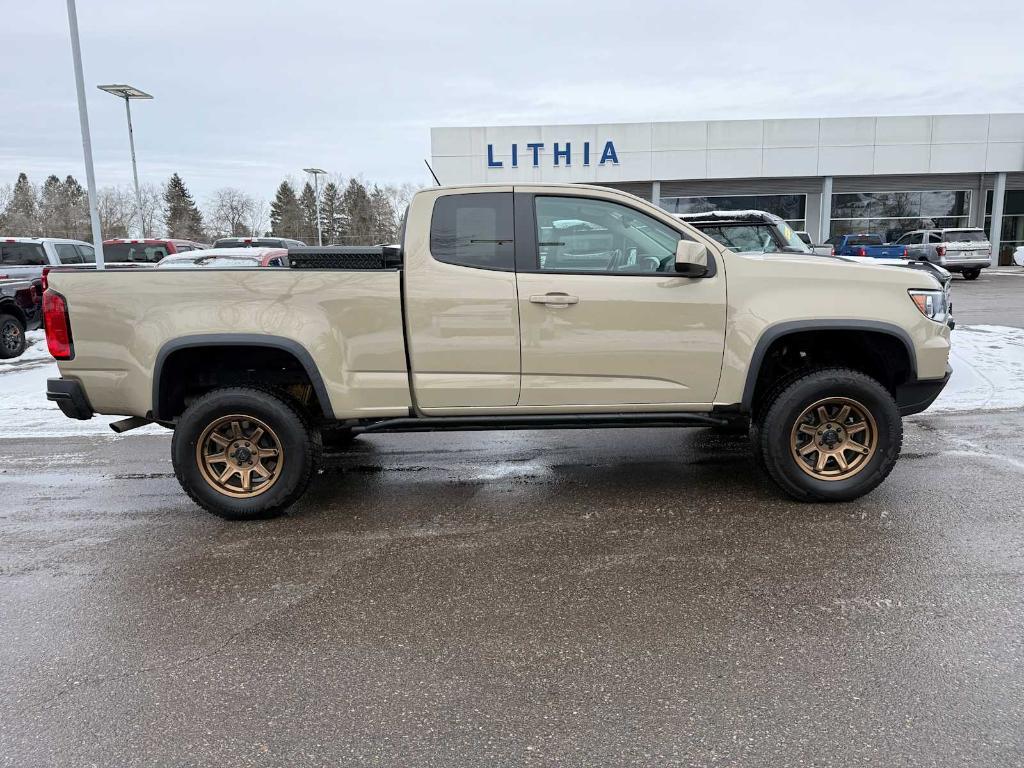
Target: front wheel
pixel 832 435
pixel 244 453
pixel 971 274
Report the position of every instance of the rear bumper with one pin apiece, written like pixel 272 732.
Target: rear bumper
pixel 916 396
pixel 965 263
pixel 69 397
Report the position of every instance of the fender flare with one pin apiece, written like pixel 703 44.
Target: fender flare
pixel 774 332
pixel 247 340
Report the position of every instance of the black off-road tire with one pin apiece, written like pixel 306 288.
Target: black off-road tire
pixel 300 448
pixel 12 336
pixel 779 418
pixel 971 274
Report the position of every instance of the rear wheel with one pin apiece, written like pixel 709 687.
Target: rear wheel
pixel 971 274
pixel 244 453
pixel 12 336
pixel 832 435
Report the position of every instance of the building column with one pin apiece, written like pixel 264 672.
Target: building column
pixel 996 230
pixel 812 217
pixel 825 229
pixel 976 216
pixel 656 193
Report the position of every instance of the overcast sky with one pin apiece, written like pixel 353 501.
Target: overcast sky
pixel 248 91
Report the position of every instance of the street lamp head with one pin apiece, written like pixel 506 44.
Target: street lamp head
pixel 125 91
pixel 315 171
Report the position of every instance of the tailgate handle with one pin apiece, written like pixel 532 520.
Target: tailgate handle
pixel 554 299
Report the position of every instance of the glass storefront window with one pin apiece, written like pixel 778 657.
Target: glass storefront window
pixel 1012 234
pixel 791 208
pixel 891 214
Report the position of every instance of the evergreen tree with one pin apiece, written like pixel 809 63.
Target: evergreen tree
pixel 51 207
pixel 308 204
pixel 330 213
pixel 75 210
pixel 183 217
pixel 383 217
pixel 286 219
pixel 21 216
pixel 358 215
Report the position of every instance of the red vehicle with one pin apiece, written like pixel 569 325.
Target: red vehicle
pixel 146 251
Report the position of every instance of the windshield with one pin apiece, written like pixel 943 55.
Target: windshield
pixel 141 252
pixel 964 236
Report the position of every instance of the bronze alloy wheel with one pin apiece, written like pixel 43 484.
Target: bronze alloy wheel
pixel 239 456
pixel 834 438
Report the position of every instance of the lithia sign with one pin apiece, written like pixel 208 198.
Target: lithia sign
pixel 561 154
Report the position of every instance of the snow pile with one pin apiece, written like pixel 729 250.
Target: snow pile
pixel 988 374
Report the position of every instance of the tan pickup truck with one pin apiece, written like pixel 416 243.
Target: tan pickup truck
pixel 505 307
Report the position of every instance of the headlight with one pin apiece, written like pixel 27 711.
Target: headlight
pixel 931 303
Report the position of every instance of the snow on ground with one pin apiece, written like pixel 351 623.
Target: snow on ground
pixel 988 374
pixel 24 409
pixel 988 369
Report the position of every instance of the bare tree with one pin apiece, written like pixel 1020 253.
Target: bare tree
pixel 117 211
pixel 231 212
pixel 259 219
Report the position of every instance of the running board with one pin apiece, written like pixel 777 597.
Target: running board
pixel 576 421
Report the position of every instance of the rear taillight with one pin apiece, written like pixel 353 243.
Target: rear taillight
pixel 940 250
pixel 833 253
pixel 46 279
pixel 57 325
pixel 905 254
pixel 862 251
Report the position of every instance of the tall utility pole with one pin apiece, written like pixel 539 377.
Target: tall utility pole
pixel 83 119
pixel 317 173
pixel 128 92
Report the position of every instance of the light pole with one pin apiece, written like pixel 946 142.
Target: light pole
pixel 317 173
pixel 128 92
pixel 83 119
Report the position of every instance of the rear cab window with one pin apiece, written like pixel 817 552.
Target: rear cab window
pixel 474 230
pixel 22 255
pixel 864 240
pixel 134 252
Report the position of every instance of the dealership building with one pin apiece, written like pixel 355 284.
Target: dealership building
pixel 828 175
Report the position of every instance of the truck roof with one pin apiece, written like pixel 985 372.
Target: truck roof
pixel 5 239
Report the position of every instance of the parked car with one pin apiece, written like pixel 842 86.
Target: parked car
pixel 821 250
pixel 256 242
pixel 20 310
pixel 226 258
pixel 485 319
pixel 866 244
pixel 24 258
pixel 736 228
pixel 747 231
pixel 146 251
pixel 963 250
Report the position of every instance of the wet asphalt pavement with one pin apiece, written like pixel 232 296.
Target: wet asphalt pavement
pixel 625 597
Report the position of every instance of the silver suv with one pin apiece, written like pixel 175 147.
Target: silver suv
pixel 966 251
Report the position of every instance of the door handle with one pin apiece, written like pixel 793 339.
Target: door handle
pixel 554 299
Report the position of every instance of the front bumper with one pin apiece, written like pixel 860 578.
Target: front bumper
pixel 916 396
pixel 69 397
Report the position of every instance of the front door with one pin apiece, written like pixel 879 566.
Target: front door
pixel 604 319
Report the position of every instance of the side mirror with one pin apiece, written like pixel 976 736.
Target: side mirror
pixel 691 259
